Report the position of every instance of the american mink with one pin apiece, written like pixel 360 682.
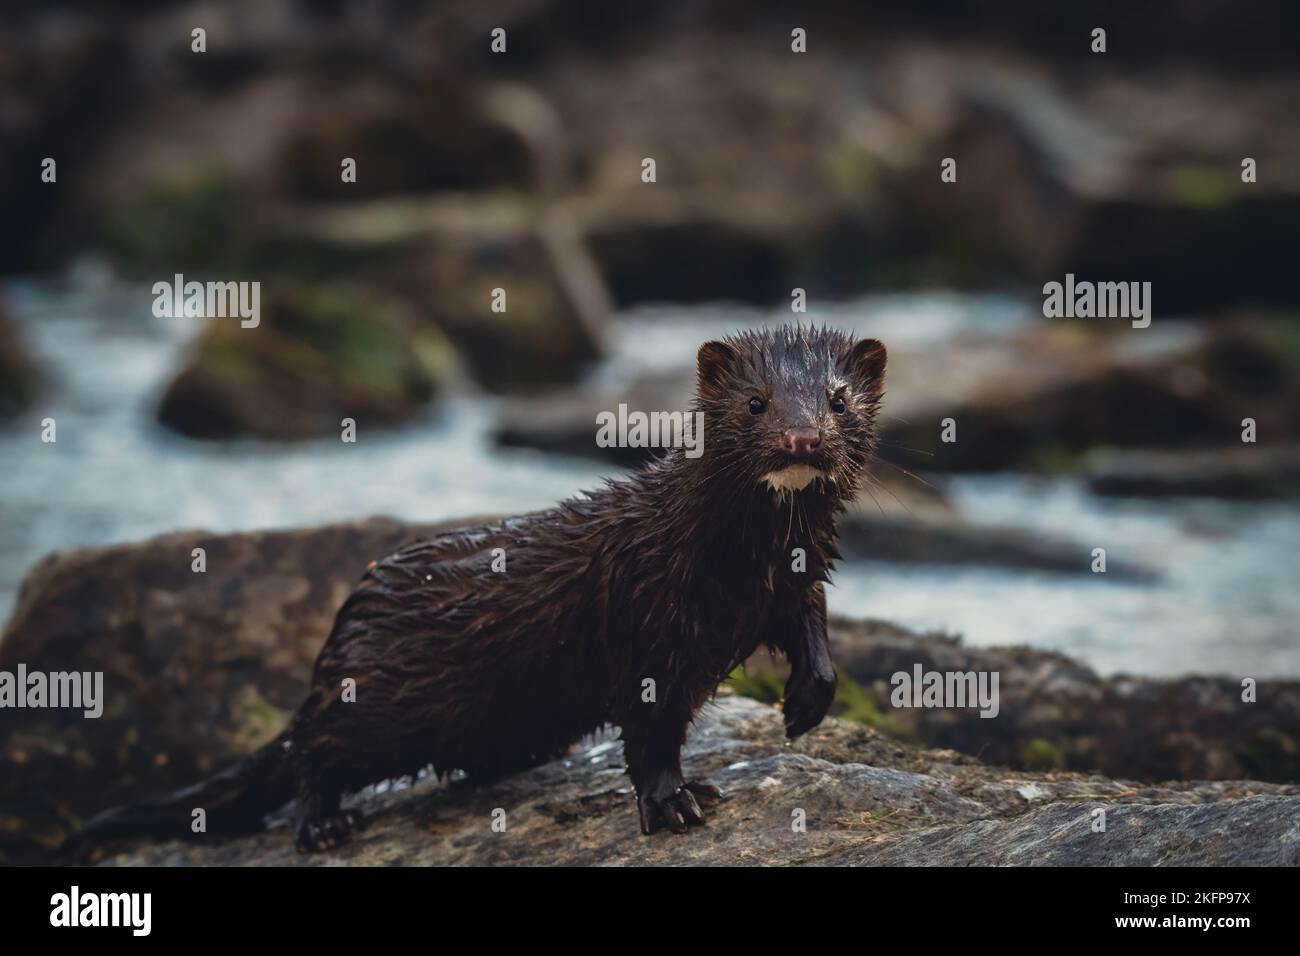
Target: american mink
pixel 626 606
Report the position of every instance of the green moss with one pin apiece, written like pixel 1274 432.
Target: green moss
pixel 1205 187
pixel 1057 459
pixel 1277 336
pixel 854 704
pixel 1040 754
pixel 762 685
pixel 221 356
pixel 855 173
pixel 256 720
pixel 851 703
pixel 200 222
pixel 361 344
pixel 319 349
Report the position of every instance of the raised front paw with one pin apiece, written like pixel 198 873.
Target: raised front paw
pixel 808 696
pixel 675 804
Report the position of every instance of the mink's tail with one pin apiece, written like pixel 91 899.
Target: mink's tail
pixel 234 802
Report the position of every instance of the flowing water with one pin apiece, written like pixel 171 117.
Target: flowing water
pixel 1225 603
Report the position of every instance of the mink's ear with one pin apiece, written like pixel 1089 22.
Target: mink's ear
pixel 864 360
pixel 713 360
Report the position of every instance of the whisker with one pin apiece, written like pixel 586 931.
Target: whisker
pixel 893 444
pixel 908 473
pixel 890 491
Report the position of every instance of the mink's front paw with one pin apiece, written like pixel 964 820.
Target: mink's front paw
pixel 669 802
pixel 808 696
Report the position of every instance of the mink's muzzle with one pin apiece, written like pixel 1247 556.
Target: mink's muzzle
pixel 801 443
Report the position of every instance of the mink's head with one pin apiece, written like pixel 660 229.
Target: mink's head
pixel 791 408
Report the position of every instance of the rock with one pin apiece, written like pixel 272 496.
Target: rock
pixel 320 353
pixel 1055 712
pixel 863 798
pixel 1257 831
pixel 199 669
pixel 1245 471
pixel 565 421
pixel 55 104
pixel 1079 182
pixel 447 256
pixel 826 180
pixel 19 376
pixel 1058 391
pixel 1054 176
pixel 179 184
pixel 205 221
pixel 444 135
pixel 544 324
pixel 949 540
pixel 669 247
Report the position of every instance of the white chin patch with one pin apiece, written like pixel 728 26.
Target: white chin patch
pixel 792 478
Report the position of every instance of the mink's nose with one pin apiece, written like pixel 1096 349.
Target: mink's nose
pixel 802 442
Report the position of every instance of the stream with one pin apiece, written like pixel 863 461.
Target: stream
pixel 1225 602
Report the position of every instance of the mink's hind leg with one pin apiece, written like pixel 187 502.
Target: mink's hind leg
pixel 319 823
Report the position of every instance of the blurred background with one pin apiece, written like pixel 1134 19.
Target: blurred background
pixel 775 170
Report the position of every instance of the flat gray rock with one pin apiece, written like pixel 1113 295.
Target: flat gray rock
pixel 825 799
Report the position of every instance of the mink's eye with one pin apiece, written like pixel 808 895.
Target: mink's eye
pixel 838 406
pixel 757 406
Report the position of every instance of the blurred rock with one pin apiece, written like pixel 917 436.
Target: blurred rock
pixel 660 246
pixel 1249 471
pixel 204 221
pixel 442 258
pixel 1064 389
pixel 19 375
pixel 442 135
pixel 321 353
pixel 545 323
pixel 951 541
pixel 1058 174
pixel 199 669
pixel 827 180
pixel 55 103
pixel 564 421
pixel 1055 712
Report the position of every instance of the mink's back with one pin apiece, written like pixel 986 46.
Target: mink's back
pixel 505 642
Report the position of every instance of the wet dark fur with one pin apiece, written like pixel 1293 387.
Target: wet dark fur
pixel 677 574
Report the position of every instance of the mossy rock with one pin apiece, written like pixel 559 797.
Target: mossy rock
pixel 202 221
pixel 524 309
pixel 444 136
pixel 208 223
pixel 321 353
pixel 1040 754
